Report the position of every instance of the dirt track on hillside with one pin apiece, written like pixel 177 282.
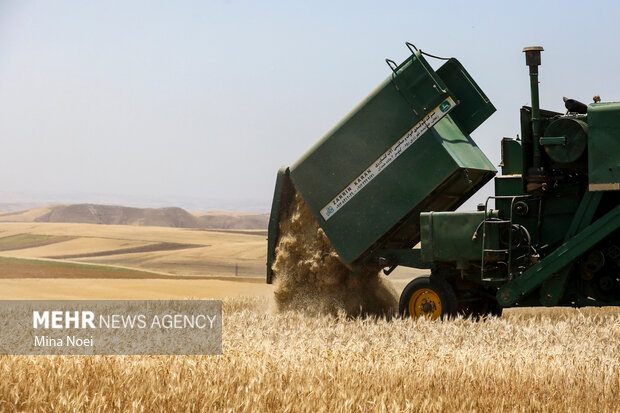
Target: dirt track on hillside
pixel 162 246
pixel 15 268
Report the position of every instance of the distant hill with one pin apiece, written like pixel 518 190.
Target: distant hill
pixel 120 215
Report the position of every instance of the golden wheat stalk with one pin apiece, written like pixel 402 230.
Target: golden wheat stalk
pixel 528 360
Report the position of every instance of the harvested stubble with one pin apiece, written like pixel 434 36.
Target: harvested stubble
pixel 311 277
pixel 559 360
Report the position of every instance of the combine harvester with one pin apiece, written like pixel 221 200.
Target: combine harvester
pixel 391 173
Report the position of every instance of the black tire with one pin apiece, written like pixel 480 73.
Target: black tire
pixel 431 296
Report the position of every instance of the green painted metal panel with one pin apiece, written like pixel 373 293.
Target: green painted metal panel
pixel 553 289
pixel 386 161
pixel 451 236
pixel 282 197
pixel 562 256
pixel 408 181
pixel 508 185
pixel 604 146
pixel 474 107
pixel 512 162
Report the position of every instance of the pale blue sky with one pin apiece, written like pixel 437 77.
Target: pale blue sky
pixel 197 103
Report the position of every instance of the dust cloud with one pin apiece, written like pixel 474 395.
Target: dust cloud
pixel 310 277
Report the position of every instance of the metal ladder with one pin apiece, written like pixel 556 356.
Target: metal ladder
pixel 492 221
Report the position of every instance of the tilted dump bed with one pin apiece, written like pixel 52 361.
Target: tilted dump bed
pixel 405 149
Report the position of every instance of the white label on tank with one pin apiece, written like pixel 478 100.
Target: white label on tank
pixel 387 158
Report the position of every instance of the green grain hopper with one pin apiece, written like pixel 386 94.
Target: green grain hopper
pixel 391 174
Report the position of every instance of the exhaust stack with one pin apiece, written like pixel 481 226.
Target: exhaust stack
pixel 532 59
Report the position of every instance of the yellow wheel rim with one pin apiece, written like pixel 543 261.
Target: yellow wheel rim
pixel 425 302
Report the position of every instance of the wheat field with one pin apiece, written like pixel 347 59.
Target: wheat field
pixel 528 360
pixel 207 253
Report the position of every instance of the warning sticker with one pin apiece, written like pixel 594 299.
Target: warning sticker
pixel 387 158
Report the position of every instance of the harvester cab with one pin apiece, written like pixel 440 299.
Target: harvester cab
pixel 392 173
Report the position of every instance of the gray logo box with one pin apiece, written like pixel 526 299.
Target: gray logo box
pixel 111 327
